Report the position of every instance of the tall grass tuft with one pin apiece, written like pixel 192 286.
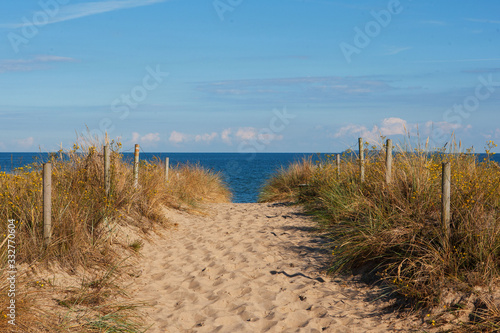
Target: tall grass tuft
pixel 285 183
pixel 83 215
pixel 394 230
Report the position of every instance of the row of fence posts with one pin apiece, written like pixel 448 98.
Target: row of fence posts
pixel 135 172
pixel 388 161
pixel 445 189
pixel 47 183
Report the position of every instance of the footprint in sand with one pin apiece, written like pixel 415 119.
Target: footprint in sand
pixel 213 274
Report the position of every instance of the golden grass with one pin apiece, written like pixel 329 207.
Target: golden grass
pixel 394 231
pixel 83 220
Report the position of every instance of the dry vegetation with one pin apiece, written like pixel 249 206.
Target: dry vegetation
pixel 88 253
pixel 393 232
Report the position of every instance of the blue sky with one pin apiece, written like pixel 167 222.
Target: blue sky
pixel 241 75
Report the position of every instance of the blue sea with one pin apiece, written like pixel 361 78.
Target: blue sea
pixel 244 173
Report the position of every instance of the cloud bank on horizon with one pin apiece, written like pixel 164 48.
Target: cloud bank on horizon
pixel 294 76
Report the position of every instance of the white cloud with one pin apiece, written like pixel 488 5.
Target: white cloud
pixel 446 127
pixel 151 137
pixel 145 139
pixel 483 20
pixel 51 58
pixel 225 136
pixel 177 137
pixel 389 126
pixel 395 50
pixel 434 22
pixel 350 129
pixel 457 60
pixel 25 143
pixel 393 126
pixel 206 137
pixel 75 11
pixel 250 133
pixel 267 138
pixel 492 135
pixel 34 63
pixel 246 133
pixel 318 88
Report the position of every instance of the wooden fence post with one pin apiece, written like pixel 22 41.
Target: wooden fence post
pixel 107 178
pixel 47 202
pixel 361 160
pixel 136 165
pixel 445 200
pixel 388 162
pixel 167 166
pixel 338 165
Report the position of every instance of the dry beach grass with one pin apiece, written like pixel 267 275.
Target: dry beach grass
pixel 75 283
pixel 394 233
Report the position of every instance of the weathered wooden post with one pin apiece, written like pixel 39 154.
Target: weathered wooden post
pixel 47 202
pixel 107 177
pixel 388 162
pixel 136 165
pixel 361 160
pixel 338 165
pixel 445 200
pixel 167 163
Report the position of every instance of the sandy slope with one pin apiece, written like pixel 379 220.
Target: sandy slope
pixel 253 268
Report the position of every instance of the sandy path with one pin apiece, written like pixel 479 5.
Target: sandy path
pixel 252 268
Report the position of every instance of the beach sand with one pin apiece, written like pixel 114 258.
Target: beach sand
pixel 254 268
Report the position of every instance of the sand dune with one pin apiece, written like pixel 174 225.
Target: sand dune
pixel 253 268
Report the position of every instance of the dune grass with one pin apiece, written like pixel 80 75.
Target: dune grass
pixel 84 221
pixel 394 231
